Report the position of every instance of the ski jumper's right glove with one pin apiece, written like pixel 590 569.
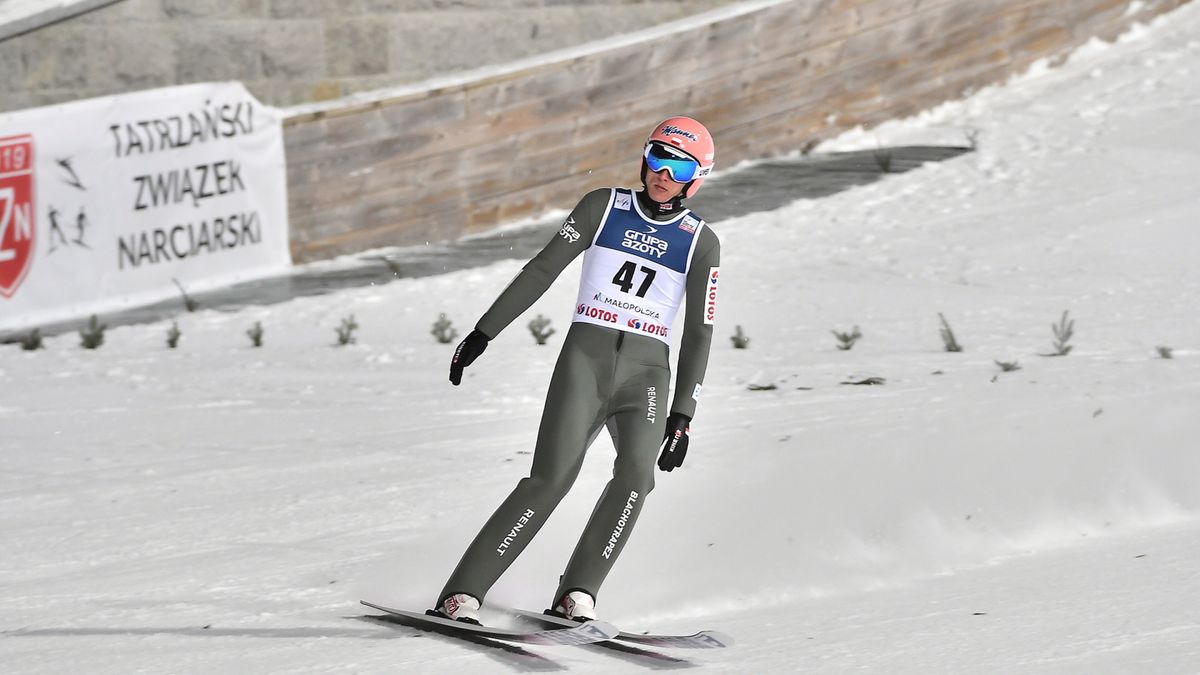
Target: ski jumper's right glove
pixel 675 443
pixel 468 350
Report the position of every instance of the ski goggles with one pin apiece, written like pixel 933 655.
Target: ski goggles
pixel 680 167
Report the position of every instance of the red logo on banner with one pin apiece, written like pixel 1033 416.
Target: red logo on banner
pixel 17 229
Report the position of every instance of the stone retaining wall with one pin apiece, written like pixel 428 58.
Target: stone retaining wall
pixel 292 51
pixel 449 161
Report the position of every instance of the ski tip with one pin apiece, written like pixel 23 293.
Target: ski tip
pixel 718 639
pixel 375 605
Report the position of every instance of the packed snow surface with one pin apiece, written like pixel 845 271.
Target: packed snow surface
pixel 220 508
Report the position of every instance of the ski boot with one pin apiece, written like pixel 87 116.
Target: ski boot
pixel 460 607
pixel 576 606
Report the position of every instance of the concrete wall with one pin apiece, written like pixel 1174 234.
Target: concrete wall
pixel 441 163
pixel 291 51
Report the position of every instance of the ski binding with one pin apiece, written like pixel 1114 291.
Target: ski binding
pixel 572 633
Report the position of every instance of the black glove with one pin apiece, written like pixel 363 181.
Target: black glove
pixel 675 442
pixel 468 350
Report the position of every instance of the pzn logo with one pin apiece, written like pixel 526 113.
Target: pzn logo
pixel 17 228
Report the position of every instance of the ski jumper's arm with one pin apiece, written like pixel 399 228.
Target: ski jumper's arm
pixel 576 235
pixel 698 323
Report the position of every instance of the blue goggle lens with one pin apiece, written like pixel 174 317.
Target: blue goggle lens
pixel 681 169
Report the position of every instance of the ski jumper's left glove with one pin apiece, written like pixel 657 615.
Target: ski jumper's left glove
pixel 468 350
pixel 675 443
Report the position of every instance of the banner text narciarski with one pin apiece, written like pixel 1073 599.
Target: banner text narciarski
pixel 188 240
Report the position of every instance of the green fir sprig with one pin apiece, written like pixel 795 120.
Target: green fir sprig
pixel 255 333
pixel 345 332
pixel 740 340
pixel 541 330
pixel 33 341
pixel 846 341
pixel 443 330
pixel 92 336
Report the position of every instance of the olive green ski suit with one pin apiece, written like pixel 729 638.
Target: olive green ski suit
pixel 612 371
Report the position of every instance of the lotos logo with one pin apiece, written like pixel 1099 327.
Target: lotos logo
pixel 710 296
pixel 647 327
pixel 596 313
pixel 17 229
pixel 672 130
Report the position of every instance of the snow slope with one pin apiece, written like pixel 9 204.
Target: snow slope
pixel 221 508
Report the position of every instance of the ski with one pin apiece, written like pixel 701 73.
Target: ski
pixel 705 639
pixel 575 634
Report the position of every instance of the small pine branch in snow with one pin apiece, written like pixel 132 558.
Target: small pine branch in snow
pixel 188 302
pixel 1164 352
pixel 883 159
pixel 33 341
pixel 972 138
pixel 391 265
pixel 92 336
pixel 948 338
pixel 1008 366
pixel 540 329
pixel 846 340
pixel 173 335
pixel 444 330
pixel 345 332
pixel 866 381
pixel 1063 331
pixel 740 339
pixel 256 334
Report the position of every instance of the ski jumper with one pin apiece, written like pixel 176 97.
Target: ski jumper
pixel 613 372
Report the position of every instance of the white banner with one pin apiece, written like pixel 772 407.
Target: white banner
pixel 105 203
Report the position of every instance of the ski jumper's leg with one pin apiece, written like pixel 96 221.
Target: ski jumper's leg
pixel 574 413
pixel 640 407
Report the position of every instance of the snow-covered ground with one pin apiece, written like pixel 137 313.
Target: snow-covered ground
pixel 219 508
